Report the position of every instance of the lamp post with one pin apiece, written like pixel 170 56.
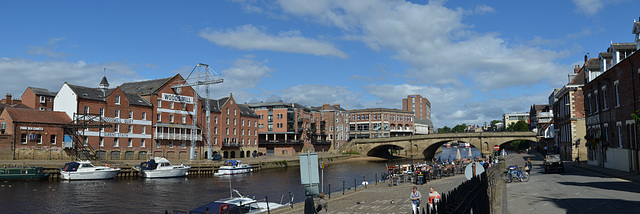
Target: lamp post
pixel 578 147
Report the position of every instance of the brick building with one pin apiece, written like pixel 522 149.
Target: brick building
pixel 568 117
pixel 337 124
pixel 289 128
pixel 38 98
pixel 380 122
pixel 234 128
pixel 128 114
pixel 32 134
pixel 614 90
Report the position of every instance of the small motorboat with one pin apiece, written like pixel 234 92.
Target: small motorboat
pixel 22 173
pixel 239 204
pixel 84 170
pixel 231 167
pixel 160 167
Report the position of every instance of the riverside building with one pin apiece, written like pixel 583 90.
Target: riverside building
pixel 380 122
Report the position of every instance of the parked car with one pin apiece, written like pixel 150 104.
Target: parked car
pixel 216 157
pixel 552 162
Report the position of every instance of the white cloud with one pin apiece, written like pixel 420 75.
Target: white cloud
pixel 21 73
pixel 48 50
pixel 588 7
pixel 241 79
pixel 316 95
pixel 249 37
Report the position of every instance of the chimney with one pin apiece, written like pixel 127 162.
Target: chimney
pixel 325 106
pixel 9 99
pixel 576 69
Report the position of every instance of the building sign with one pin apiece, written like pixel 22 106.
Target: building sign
pixel 117 120
pixel 177 98
pixel 32 128
pixel 111 134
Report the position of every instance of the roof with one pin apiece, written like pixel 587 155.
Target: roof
pixel 144 87
pixel 42 92
pixel 380 110
pixel 331 108
pixel 636 27
pixel 216 105
pixel 89 93
pixel 104 81
pixel 606 55
pixel 624 46
pixel 36 116
pixel 593 64
pixel 135 99
pixel 246 111
pixel 278 104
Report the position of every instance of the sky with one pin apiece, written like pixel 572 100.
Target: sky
pixel 474 60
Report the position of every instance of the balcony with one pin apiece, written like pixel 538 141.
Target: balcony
pixel 279 142
pixel 321 142
pixel 231 144
pixel 176 136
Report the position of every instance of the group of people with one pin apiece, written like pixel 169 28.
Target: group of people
pixel 321 208
pixel 416 197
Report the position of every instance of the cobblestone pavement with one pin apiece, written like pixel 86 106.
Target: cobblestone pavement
pixel 380 198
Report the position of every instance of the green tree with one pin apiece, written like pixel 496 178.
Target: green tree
pixel 459 128
pixel 519 126
pixel 444 129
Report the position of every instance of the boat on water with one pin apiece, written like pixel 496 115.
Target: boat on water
pixel 160 167
pixel 239 204
pixel 231 167
pixel 84 170
pixel 23 173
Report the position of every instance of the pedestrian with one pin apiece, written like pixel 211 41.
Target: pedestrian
pixel 322 204
pixel 415 200
pixel 434 197
pixel 309 208
pixel 527 166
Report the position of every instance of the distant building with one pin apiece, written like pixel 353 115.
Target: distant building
pixel 233 128
pixel 38 98
pixel 539 117
pixel 568 116
pixel 380 122
pixel 420 106
pixel 509 118
pixel 337 124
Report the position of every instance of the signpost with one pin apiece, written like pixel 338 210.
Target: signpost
pixel 309 173
pixel 496 147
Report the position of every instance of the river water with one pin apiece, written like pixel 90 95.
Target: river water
pixel 157 195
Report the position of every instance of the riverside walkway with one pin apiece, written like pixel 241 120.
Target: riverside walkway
pixel 380 198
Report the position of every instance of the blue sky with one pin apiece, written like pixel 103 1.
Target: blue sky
pixel 474 60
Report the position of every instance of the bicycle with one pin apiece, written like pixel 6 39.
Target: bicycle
pixel 515 173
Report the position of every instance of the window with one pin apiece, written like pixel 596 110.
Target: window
pixel 116 127
pixel 157 145
pixel 117 113
pixel 227 131
pixel 184 119
pixel 270 127
pixel 184 106
pixel 227 111
pixel 249 123
pixel 23 138
pixel 38 138
pixel 171 118
pixel 215 120
pixel 142 143
pixel 234 111
pixel 242 131
pixel 144 115
pixel 617 93
pixel 42 99
pixel 130 143
pixel 144 129
pixel 279 116
pixel 102 112
pixel 130 128
pixel 86 109
pixel 604 98
pixel 242 122
pixel 619 135
pixel 117 99
pixel 85 141
pixel 101 142
pixel 52 141
pixel 159 103
pixel 172 104
pixel 215 130
pixel 227 121
pixel 234 121
pixel 215 141
pixel 184 145
pixel 171 144
pixel 130 114
pixel 595 93
pixel 270 118
pixel 234 131
pixel 159 119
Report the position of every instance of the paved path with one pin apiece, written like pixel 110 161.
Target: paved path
pixel 380 198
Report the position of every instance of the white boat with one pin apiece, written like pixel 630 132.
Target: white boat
pixel 159 167
pixel 231 167
pixel 84 170
pixel 240 204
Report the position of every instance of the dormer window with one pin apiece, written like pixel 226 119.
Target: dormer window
pixel 43 99
pixel 117 99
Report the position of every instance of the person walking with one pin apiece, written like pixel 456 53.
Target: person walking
pixel 434 197
pixel 322 204
pixel 528 166
pixel 415 200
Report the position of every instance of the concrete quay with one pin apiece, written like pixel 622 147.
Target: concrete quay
pixel 380 198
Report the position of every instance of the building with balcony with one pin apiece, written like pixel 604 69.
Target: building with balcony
pixel 128 115
pixel 38 98
pixel 511 118
pixel 336 124
pixel 539 117
pixel 289 128
pixel 612 96
pixel 380 122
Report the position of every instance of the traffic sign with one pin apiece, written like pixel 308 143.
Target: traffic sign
pixel 496 147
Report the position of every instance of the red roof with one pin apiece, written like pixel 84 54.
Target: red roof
pixel 37 116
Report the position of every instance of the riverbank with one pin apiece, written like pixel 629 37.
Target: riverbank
pixel 380 198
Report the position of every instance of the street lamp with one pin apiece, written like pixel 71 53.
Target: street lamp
pixel 578 147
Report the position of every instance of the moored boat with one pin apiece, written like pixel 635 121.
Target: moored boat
pixel 239 204
pixel 23 173
pixel 231 167
pixel 159 167
pixel 84 170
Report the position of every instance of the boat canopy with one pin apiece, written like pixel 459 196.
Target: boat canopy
pixel 149 165
pixel 231 163
pixel 71 167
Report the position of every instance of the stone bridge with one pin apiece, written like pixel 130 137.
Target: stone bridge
pixel 425 146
